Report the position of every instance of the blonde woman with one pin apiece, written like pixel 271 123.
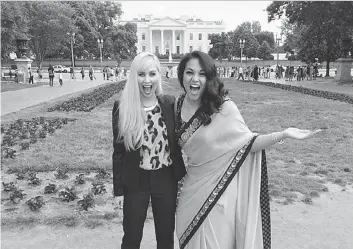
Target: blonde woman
pixel 147 161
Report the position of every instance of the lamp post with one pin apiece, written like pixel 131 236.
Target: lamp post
pixel 241 43
pixel 100 45
pixel 278 39
pixel 72 40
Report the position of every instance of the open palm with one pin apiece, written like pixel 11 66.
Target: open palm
pixel 296 133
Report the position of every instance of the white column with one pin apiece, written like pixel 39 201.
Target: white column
pixel 185 48
pixel 173 48
pixel 151 46
pixel 162 42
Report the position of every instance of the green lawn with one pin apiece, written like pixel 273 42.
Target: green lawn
pixel 297 169
pixel 6 87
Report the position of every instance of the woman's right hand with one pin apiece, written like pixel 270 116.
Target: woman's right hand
pixel 118 202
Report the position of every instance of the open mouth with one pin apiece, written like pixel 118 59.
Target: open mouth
pixel 194 88
pixel 147 89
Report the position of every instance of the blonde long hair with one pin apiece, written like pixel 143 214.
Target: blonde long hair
pixel 132 116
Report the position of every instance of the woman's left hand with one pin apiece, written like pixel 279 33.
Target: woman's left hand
pixel 296 133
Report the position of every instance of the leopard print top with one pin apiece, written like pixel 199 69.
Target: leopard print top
pixel 155 150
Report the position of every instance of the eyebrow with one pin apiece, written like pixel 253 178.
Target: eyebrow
pixel 188 68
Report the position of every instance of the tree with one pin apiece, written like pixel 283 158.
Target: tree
pixel 265 36
pixel 264 51
pixel 49 23
pixel 221 48
pixel 256 27
pixel 319 27
pixel 13 26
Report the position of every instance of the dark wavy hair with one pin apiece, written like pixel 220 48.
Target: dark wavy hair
pixel 213 96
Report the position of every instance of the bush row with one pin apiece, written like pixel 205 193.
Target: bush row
pixel 88 101
pixel 318 93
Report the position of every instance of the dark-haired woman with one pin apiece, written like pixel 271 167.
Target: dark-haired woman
pixel 224 201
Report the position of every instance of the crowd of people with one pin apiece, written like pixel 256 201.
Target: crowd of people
pixel 254 72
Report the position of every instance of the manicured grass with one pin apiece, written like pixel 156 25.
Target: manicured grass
pixel 6 87
pixel 297 169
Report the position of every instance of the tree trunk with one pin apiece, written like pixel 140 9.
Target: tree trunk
pixel 327 67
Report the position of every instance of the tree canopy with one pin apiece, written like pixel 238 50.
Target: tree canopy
pixel 314 29
pixel 50 27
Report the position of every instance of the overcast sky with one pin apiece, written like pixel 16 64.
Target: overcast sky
pixel 231 12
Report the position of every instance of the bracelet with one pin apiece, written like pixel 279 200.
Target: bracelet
pixel 275 138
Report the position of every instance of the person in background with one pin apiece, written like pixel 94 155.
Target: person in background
pixel 72 73
pixel 30 75
pixel 83 73
pixel 61 78
pixel 51 75
pixel 240 72
pixel 91 72
pixel 147 162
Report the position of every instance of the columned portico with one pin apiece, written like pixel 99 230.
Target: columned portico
pixel 172 49
pixel 172 35
pixel 162 41
pixel 151 46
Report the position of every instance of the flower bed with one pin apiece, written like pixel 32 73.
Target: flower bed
pixel 88 101
pixel 22 133
pixel 318 93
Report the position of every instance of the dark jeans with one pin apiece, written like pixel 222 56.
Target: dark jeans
pixel 161 188
pixel 241 75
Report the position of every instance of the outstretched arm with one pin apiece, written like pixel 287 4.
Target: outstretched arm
pixel 265 141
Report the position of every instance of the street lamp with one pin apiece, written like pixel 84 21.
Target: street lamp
pixel 72 40
pixel 100 45
pixel 278 39
pixel 241 43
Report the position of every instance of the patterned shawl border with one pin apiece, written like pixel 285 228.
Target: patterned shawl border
pixel 265 204
pixel 186 130
pixel 212 199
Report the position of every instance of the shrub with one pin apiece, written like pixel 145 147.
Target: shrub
pixel 35 203
pixel 68 194
pixel 86 202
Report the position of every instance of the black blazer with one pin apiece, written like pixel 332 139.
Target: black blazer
pixel 126 164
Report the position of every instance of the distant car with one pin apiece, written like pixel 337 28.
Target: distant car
pixel 59 69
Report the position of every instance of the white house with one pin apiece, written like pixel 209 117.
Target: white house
pixel 175 35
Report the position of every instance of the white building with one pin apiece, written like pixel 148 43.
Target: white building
pixel 178 36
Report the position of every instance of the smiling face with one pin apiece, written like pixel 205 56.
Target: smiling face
pixel 194 80
pixel 148 78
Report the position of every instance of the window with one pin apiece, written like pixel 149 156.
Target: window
pixel 143 36
pixel 143 48
pixel 157 50
pixel 191 36
pixel 178 37
pixel 200 37
pixel 190 49
pixel 178 49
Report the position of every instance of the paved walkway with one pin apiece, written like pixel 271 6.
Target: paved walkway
pixel 13 101
pixel 318 84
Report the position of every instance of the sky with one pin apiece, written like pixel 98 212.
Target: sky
pixel 232 13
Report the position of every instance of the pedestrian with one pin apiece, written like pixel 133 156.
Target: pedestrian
pixel 90 72
pixel 240 72
pixel 147 162
pixel 104 72
pixel 224 201
pixel 39 72
pixel 61 78
pixel 72 73
pixel 10 73
pixel 51 75
pixel 30 76
pixel 83 73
